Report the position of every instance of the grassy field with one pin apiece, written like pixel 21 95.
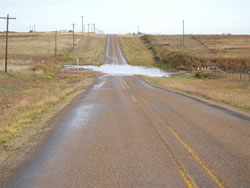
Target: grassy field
pixel 206 45
pixel 233 93
pixel 226 45
pixel 135 51
pixel 90 50
pixel 27 50
pixel 32 88
pixel 225 51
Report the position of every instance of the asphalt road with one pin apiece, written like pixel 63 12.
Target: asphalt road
pixel 126 133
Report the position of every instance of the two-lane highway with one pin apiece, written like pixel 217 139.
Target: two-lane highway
pixel 126 133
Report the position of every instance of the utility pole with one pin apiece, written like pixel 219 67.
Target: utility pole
pixel 94 27
pixel 73 35
pixel 55 43
pixel 138 30
pixel 183 22
pixel 7 37
pixel 88 29
pixel 82 24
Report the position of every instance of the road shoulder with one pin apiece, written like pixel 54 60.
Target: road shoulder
pixel 239 112
pixel 20 150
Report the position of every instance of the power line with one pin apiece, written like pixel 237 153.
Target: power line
pixel 88 29
pixel 73 35
pixel 55 43
pixel 183 36
pixel 7 37
pixel 82 24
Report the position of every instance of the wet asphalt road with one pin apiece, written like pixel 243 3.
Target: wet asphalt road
pixel 125 133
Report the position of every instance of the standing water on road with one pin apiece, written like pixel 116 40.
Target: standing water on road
pixel 125 69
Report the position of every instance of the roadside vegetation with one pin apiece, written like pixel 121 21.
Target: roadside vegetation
pixel 35 84
pixel 233 93
pixel 226 52
pixel 90 50
pixel 168 53
pixel 135 52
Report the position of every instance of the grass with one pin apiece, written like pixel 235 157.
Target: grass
pixel 226 45
pixel 90 50
pixel 233 93
pixel 135 52
pixel 37 44
pixel 226 52
pixel 32 89
pixel 27 50
pixel 26 97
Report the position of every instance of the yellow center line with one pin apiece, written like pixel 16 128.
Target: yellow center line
pixel 125 83
pixel 183 172
pixel 196 157
pixel 188 148
pixel 121 83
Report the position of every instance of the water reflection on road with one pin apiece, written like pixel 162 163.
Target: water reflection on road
pixel 125 69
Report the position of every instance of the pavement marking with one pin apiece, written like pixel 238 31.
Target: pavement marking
pixel 196 157
pixel 134 99
pixel 183 172
pixel 121 83
pixel 119 49
pixel 125 83
pixel 188 148
pixel 113 49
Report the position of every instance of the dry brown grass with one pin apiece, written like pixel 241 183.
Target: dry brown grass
pixel 225 51
pixel 90 50
pixel 234 93
pixel 37 44
pixel 26 50
pixel 31 88
pixel 135 52
pixel 25 98
pixel 227 45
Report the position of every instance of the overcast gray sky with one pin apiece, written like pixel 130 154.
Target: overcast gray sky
pixel 123 16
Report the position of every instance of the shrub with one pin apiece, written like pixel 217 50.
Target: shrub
pixel 177 60
pixel 206 74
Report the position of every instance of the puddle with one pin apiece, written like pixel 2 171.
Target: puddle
pixel 126 70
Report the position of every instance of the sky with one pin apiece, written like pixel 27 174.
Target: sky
pixel 124 16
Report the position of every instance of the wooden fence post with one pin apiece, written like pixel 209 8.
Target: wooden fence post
pixel 240 74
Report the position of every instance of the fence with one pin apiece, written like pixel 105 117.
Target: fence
pixel 241 74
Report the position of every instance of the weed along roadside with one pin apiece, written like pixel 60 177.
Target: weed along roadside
pixel 30 96
pixel 167 53
pixel 232 93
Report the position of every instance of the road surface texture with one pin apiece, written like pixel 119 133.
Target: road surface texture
pixel 126 133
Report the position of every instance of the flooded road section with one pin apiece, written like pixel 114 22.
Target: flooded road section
pixel 126 133
pixel 122 70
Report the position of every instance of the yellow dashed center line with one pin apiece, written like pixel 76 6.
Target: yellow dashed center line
pixel 183 172
pixel 196 157
pixel 194 154
pixel 188 148
pixel 125 83
pixel 121 83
